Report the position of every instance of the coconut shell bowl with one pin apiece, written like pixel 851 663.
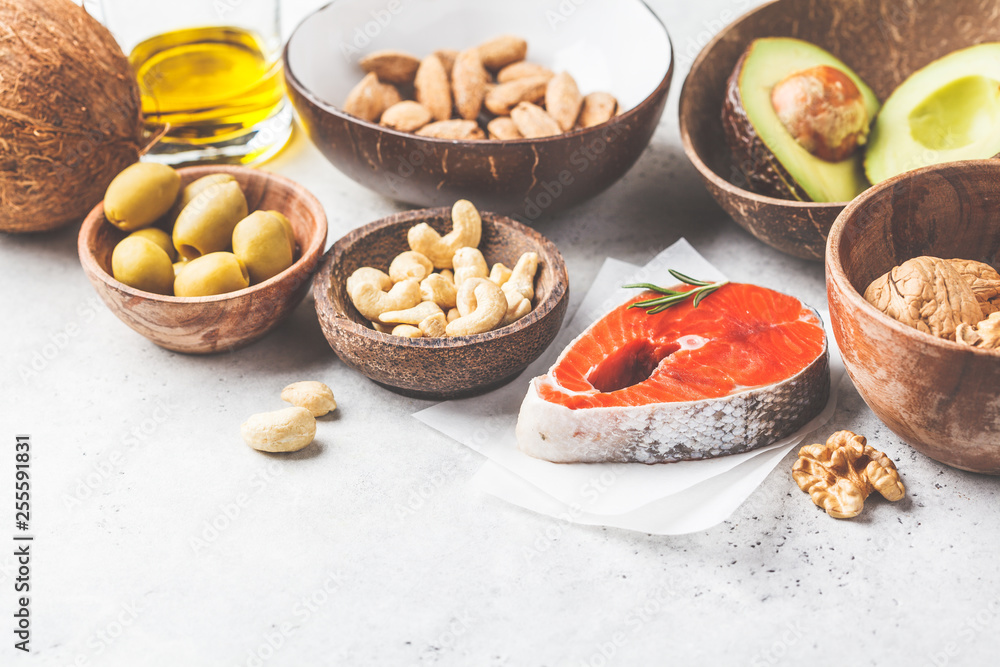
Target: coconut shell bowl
pixel 439 368
pixel 884 41
pixel 941 397
pixel 620 47
pixel 203 325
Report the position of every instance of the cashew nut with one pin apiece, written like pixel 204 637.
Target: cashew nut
pixel 453 315
pixel 314 396
pixel 413 316
pixel 466 232
pixel 490 308
pixel 383 328
pixel 366 274
pixel 287 430
pixel 434 326
pixel 522 278
pixel 407 331
pixel 517 307
pixel 367 290
pixel 410 264
pixel 449 274
pixel 469 263
pixel 500 273
pixel 439 289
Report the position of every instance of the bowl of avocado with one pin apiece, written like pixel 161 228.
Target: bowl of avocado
pixel 799 106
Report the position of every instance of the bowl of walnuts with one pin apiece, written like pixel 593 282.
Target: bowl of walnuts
pixel 444 100
pixel 914 297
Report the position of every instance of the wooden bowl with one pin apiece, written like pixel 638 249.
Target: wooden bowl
pixel 884 41
pixel 619 47
pixel 942 398
pixel 439 368
pixel 202 325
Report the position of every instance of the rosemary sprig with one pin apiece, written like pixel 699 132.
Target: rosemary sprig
pixel 671 297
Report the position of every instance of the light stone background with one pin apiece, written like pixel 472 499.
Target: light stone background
pixel 372 548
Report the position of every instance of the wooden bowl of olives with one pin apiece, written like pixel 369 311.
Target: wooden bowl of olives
pixel 237 302
pixel 929 65
pixel 439 368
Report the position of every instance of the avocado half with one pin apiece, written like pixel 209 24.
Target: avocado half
pixel 772 161
pixel 947 111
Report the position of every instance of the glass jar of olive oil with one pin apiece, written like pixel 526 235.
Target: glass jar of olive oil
pixel 209 71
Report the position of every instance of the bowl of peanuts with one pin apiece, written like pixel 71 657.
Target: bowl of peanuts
pixel 526 107
pixel 441 303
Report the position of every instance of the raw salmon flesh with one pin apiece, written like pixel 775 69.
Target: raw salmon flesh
pixel 744 369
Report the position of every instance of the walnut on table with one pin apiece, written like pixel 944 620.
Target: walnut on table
pixel 842 473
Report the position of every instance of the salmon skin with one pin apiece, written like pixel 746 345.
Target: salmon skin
pixel 746 368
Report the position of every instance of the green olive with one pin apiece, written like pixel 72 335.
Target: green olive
pixel 195 188
pixel 214 273
pixel 160 238
pixel 261 242
pixel 140 194
pixel 142 264
pixel 206 224
pixel 289 230
pixel 179 266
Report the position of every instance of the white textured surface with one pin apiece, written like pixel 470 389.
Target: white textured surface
pixel 372 549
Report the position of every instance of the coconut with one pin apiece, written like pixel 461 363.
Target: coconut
pixel 70 115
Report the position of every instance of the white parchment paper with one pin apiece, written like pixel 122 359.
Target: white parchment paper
pixel 664 499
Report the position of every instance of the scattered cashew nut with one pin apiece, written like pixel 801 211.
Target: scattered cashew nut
pixel 489 310
pixel 314 396
pixel 287 430
pixel 466 233
pixel 434 326
pixel 439 289
pixel 407 331
pixel 367 291
pixel 410 264
pixel 469 263
pixel 413 316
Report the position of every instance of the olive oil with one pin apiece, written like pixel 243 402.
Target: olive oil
pixel 210 84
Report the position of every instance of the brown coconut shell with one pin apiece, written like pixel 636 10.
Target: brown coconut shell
pixel 70 115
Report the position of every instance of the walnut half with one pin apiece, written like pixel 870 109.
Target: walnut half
pixel 985 335
pixel 842 473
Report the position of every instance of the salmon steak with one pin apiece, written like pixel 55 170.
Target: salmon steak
pixel 746 368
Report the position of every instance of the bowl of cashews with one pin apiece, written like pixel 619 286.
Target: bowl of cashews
pixel 443 302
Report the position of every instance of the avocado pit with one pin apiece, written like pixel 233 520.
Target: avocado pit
pixel 823 109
